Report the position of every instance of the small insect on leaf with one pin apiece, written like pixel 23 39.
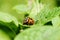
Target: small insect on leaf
pixel 28 21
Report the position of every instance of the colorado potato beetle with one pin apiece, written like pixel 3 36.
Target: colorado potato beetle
pixel 28 21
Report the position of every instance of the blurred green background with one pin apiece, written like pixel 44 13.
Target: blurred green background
pixel 7 5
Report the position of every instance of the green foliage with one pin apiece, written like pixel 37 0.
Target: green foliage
pixel 47 14
pixel 8 22
pixel 42 12
pixel 22 8
pixel 4 36
pixel 8 18
pixel 40 33
pixel 56 21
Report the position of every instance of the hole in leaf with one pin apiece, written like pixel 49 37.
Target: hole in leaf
pixel 48 23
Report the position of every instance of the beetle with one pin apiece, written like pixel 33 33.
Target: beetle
pixel 28 21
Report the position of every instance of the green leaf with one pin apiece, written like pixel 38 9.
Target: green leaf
pixel 8 18
pixel 37 7
pixel 56 21
pixel 47 14
pixel 22 8
pixel 4 36
pixel 8 22
pixel 32 33
pixel 40 33
pixel 9 29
